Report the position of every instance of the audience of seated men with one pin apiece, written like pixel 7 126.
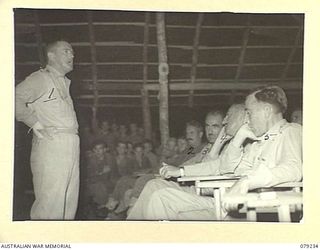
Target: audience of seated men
pixel 182 144
pixel 130 150
pixel 132 194
pixel 134 136
pixel 126 179
pixel 168 152
pixel 151 156
pixel 122 136
pixel 115 132
pixel 108 136
pixel 105 135
pixel 101 173
pixel 140 165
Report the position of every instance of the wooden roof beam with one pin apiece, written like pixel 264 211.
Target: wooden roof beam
pixel 195 54
pixel 135 96
pixel 123 105
pixel 205 85
pixel 224 86
pixel 183 80
pixel 174 26
pixel 291 55
pixel 186 47
pixel 200 65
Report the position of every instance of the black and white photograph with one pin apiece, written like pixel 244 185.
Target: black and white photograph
pixel 158 116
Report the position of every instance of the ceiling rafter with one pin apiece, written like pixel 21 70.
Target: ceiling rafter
pixel 291 55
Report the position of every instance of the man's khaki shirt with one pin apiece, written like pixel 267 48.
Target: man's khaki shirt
pixel 44 97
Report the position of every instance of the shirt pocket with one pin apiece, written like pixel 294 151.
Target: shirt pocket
pixel 52 104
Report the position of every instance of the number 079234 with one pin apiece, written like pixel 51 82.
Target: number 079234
pixel 309 246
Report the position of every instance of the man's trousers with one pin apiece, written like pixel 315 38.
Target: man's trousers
pixel 55 170
pixel 167 200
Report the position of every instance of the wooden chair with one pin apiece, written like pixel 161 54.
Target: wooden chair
pixel 219 184
pixel 252 203
pixel 280 202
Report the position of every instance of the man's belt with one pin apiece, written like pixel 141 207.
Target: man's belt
pixel 73 131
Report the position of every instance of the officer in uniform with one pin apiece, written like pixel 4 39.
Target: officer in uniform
pixel 44 104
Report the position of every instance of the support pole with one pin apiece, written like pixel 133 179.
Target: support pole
pixel 195 58
pixel 163 79
pixel 94 74
pixel 245 40
pixel 144 91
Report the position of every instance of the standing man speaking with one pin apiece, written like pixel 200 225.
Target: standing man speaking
pixel 44 104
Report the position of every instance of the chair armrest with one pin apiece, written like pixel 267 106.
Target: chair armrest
pixel 216 183
pixel 287 185
pixel 290 184
pixel 208 178
pixel 257 200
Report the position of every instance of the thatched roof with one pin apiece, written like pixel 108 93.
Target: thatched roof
pixel 213 57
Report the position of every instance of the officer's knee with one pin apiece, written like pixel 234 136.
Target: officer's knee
pixel 155 184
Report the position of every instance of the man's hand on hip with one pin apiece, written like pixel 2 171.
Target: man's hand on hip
pixel 42 132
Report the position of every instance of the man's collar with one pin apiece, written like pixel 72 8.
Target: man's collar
pixel 275 129
pixel 207 148
pixel 197 149
pixel 54 71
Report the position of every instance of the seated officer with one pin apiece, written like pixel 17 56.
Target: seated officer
pixel 277 156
